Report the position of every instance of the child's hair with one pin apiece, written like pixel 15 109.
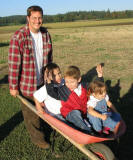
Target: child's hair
pixel 73 71
pixel 50 67
pixel 97 87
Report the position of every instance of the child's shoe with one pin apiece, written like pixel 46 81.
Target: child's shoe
pixel 106 130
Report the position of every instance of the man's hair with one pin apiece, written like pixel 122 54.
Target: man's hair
pixel 34 8
pixel 97 87
pixel 73 71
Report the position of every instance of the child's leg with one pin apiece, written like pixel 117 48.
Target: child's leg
pixel 95 122
pixel 116 129
pixel 113 122
pixel 75 117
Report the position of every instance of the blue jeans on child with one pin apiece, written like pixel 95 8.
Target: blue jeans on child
pixel 110 122
pixel 75 117
pixel 58 116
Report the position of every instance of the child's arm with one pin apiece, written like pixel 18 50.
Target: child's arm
pixel 94 113
pixel 99 70
pixel 38 105
pixel 39 96
pixel 110 105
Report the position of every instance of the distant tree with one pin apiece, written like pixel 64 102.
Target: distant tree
pixel 108 14
pixel 70 16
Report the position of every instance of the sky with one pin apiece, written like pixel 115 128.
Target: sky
pixel 53 7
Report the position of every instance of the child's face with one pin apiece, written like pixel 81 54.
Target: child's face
pixel 99 96
pixel 71 83
pixel 57 75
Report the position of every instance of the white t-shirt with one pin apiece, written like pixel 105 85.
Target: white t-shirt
pixel 78 90
pixel 51 103
pixel 38 53
pixel 93 101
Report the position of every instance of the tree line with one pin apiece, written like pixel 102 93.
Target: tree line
pixel 69 17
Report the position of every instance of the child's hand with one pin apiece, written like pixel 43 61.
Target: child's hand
pixel 99 70
pixel 48 76
pixel 39 109
pixel 42 104
pixel 104 117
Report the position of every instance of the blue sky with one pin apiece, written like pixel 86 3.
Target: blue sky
pixel 51 7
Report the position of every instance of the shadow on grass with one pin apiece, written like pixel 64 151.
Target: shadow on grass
pixel 4 44
pixel 4 80
pixel 89 76
pixel 7 127
pixel 124 105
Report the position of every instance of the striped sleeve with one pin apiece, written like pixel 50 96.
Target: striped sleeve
pixel 14 60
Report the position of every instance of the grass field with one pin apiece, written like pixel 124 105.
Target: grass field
pixel 85 46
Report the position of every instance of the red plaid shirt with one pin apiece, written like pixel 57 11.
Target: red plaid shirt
pixel 22 70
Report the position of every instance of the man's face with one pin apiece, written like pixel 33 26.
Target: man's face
pixel 71 83
pixel 35 21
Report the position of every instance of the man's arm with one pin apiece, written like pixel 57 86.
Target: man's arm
pixel 14 60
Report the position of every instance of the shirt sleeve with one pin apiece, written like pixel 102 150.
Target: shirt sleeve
pixel 41 94
pixel 91 103
pixel 14 61
pixel 107 98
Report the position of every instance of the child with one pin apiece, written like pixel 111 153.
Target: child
pixel 74 109
pixel 102 119
pixel 49 92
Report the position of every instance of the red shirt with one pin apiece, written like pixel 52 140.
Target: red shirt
pixel 21 60
pixel 75 102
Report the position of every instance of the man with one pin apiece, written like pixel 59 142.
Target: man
pixel 30 49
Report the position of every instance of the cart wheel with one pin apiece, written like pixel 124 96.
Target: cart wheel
pixel 102 151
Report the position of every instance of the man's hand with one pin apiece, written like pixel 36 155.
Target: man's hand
pixel 14 93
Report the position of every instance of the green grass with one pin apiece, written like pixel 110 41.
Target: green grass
pixel 84 47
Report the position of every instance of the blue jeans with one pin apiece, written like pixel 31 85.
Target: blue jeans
pixel 58 116
pixel 75 117
pixel 110 122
